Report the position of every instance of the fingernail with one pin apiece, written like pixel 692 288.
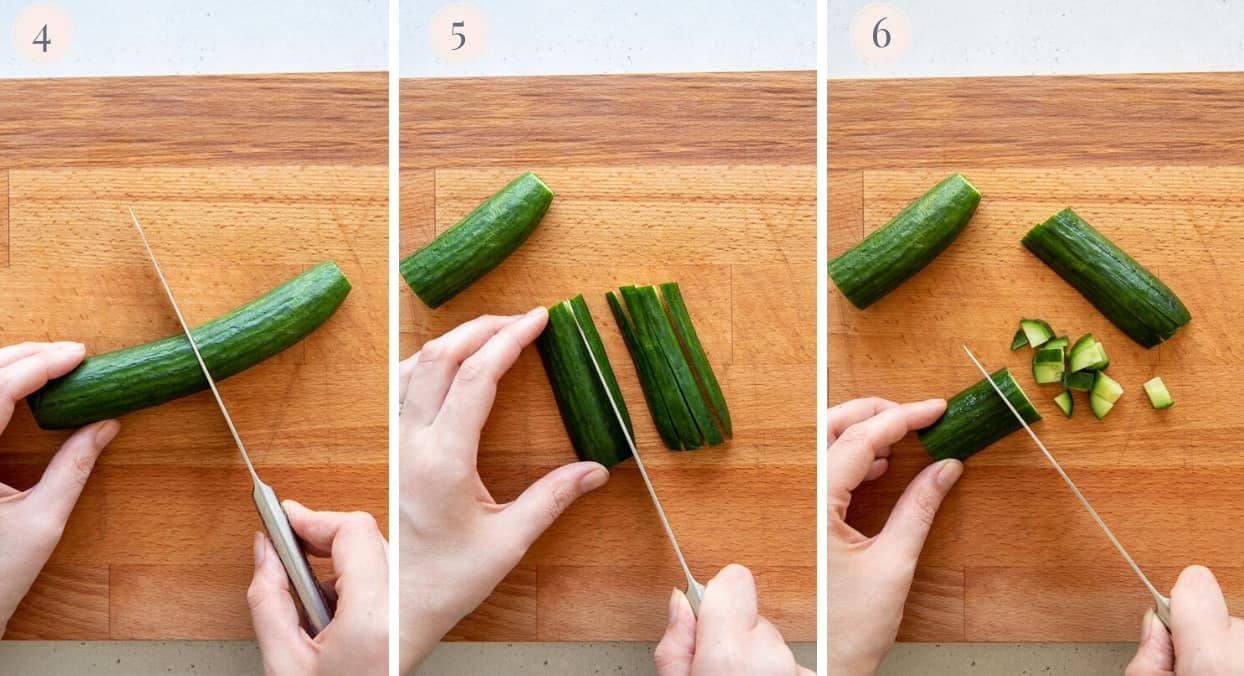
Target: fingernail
pixel 106 433
pixel 674 607
pixel 594 479
pixel 259 549
pixel 534 311
pixel 1147 625
pixel 948 473
pixel 70 347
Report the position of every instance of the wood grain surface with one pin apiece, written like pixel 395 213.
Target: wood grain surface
pixel 240 183
pixel 1153 163
pixel 708 180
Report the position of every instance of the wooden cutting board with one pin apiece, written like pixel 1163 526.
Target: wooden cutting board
pixel 708 180
pixel 241 182
pixel 1156 162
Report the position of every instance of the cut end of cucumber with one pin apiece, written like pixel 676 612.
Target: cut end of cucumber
pixel 1037 331
pixel 1064 402
pixel 1158 395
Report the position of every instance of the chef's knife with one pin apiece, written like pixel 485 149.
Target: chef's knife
pixel 276 523
pixel 695 590
pixel 1162 603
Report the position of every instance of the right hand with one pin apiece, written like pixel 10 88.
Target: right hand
pixel 1204 637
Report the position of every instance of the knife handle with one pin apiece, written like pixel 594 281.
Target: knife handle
pixel 289 549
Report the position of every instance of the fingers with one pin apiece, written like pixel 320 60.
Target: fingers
pixel 728 608
pixel 851 455
pixel 404 369
pixel 273 611
pixel 33 370
pixel 545 500
pixel 1155 656
pixel 909 523
pixel 1199 615
pixel 676 651
pixel 66 475
pixel 847 414
pixel 13 353
pixel 431 375
pixel 360 557
pixel 470 397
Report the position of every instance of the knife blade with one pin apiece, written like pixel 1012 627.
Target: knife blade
pixel 695 590
pixel 1162 603
pixel 287 545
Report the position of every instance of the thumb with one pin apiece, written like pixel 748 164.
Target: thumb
pixel 58 490
pixel 909 523
pixel 676 651
pixel 1199 614
pixel 545 500
pixel 273 611
pixel 1155 656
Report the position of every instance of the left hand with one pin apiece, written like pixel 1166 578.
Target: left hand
pixel 32 521
pixel 357 640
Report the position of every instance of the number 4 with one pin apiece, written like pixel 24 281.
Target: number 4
pixel 42 39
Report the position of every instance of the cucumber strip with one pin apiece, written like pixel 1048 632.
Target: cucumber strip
pixel 115 383
pixel 1081 381
pixel 677 310
pixel 977 417
pixel 1122 289
pixel 911 240
pixel 442 268
pixel 1037 331
pixel 663 380
pixel 581 398
pixel 653 395
pixel 644 304
pixel 1020 340
pixel 1060 342
pixel 1099 406
pixel 1106 388
pixel 1065 403
pixel 1158 395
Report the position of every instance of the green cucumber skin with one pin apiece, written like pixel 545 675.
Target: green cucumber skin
pixel 1122 289
pixel 581 400
pixel 115 383
pixel 442 268
pixel 976 418
pixel 699 359
pixel 911 240
pixel 647 380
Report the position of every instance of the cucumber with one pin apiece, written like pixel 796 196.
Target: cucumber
pixel 1099 406
pixel 976 418
pixel 115 383
pixel 911 240
pixel 676 307
pixel 1019 340
pixel 1065 403
pixel 1105 393
pixel 581 399
pixel 1048 365
pixel 1082 381
pixel 442 268
pixel 1088 355
pixel 1036 330
pixel 1060 342
pixel 1124 291
pixel 1158 395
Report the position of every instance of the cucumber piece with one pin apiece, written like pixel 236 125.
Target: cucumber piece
pixel 1082 342
pixel 676 308
pixel 1099 406
pixel 1048 365
pixel 581 399
pixel 442 268
pixel 1081 381
pixel 1048 355
pixel 115 383
pixel 1019 340
pixel 1124 291
pixel 1089 358
pixel 1065 403
pixel 1158 395
pixel 977 417
pixel 911 240
pixel 648 378
pixel 1060 342
pixel 1107 388
pixel 1037 331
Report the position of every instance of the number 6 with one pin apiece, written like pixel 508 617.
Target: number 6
pixel 877 29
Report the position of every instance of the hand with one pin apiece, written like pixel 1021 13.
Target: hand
pixel 730 636
pixel 457 542
pixel 32 521
pixel 868 578
pixel 357 639
pixel 1204 638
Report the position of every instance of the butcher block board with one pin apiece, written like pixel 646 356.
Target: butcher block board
pixel 240 183
pixel 705 179
pixel 1157 164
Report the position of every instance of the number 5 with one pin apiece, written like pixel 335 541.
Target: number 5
pixel 461 37
pixel 878 30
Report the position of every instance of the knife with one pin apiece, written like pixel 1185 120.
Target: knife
pixel 1162 603
pixel 695 590
pixel 288 547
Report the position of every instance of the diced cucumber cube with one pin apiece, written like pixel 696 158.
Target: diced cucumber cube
pixel 1089 357
pixel 1047 355
pixel 1106 388
pixel 1081 381
pixel 1158 395
pixel 1019 340
pixel 1100 406
pixel 1061 341
pixel 1036 330
pixel 1064 402
pixel 1047 373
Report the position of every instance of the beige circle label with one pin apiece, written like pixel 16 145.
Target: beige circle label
pixel 42 34
pixel 881 33
pixel 458 33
